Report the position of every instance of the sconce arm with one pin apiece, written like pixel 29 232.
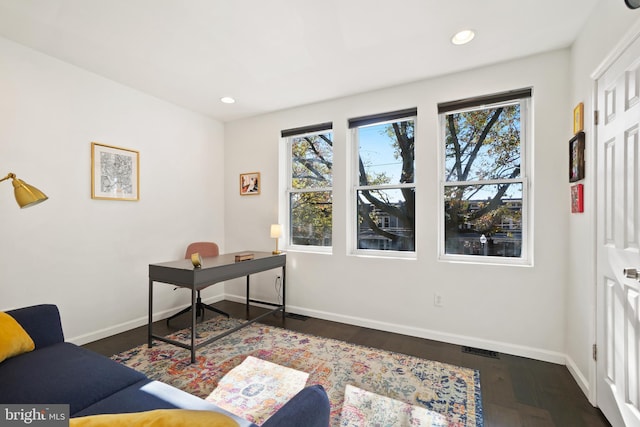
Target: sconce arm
pixel 9 175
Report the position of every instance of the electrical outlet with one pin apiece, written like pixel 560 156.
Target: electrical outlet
pixel 437 300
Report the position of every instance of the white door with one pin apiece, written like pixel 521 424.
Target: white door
pixel 618 240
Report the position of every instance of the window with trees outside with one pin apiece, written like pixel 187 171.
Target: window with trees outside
pixel 385 186
pixel 485 181
pixel 309 187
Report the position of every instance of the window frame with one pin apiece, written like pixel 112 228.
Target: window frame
pixel 353 162
pixel 523 97
pixel 288 136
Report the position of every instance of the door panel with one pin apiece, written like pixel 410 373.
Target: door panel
pixel 618 246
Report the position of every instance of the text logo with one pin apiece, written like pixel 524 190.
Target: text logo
pixel 34 415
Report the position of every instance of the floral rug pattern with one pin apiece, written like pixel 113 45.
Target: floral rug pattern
pixel 362 408
pixel 446 389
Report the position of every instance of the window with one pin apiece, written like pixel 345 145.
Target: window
pixel 384 190
pixel 309 187
pixel 484 182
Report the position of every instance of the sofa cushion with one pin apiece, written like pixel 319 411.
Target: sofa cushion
pixel 157 418
pixel 14 340
pixel 63 373
pixel 42 323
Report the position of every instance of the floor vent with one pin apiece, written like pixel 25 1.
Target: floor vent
pixel 481 352
pixel 297 316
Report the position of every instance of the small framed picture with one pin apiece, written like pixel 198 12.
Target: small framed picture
pixel 578 118
pixel 576 157
pixel 115 173
pixel 250 183
pixel 577 198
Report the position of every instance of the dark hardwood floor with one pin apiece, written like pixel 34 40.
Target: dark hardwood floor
pixel 516 391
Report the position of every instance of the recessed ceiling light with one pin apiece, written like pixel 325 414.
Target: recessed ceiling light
pixel 463 37
pixel 227 100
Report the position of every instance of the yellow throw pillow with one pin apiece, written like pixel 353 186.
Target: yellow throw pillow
pixel 14 340
pixel 156 418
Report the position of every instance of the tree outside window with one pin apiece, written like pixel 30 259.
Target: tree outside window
pixel 310 189
pixel 385 190
pixel 484 182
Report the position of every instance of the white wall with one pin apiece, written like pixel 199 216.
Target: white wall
pixel 607 25
pixel 91 256
pixel 519 310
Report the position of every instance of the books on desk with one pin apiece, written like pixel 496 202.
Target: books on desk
pixel 244 257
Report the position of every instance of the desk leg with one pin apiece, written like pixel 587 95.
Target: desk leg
pixel 247 297
pixel 150 324
pixel 193 324
pixel 284 290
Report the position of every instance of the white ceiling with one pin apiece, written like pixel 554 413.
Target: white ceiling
pixel 275 54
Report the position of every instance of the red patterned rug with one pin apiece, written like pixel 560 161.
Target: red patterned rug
pixel 451 391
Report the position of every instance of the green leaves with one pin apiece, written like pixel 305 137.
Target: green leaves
pixel 483 150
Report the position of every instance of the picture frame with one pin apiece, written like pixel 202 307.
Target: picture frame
pixel 115 173
pixel 250 184
pixel 577 198
pixel 576 157
pixel 578 118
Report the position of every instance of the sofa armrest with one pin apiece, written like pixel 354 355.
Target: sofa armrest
pixel 42 323
pixel 309 408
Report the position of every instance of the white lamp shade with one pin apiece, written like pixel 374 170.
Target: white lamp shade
pixel 276 231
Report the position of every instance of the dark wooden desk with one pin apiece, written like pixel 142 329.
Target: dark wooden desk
pixel 214 270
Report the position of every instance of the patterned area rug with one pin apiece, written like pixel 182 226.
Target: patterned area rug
pixel 362 408
pixel 445 389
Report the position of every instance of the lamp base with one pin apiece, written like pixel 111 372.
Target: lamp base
pixel 276 252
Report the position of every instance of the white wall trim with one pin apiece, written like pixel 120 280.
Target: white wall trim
pixel 463 340
pixel 590 387
pixel 579 378
pixel 132 324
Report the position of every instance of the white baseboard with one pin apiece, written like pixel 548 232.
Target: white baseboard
pixel 132 324
pixel 578 377
pixel 501 347
pixel 463 340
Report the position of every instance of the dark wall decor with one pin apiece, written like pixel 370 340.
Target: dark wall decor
pixel 576 157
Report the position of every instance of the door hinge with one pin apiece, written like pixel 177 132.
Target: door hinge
pixel 595 352
pixel 596 117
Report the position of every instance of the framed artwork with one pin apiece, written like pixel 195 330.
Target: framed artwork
pixel 115 173
pixel 577 198
pixel 250 184
pixel 576 157
pixel 578 118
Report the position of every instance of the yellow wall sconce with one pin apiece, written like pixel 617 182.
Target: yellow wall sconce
pixel 26 195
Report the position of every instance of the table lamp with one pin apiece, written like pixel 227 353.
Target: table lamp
pixel 276 233
pixel 26 195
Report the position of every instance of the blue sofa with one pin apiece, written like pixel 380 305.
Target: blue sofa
pixel 61 372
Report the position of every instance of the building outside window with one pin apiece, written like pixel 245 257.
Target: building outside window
pixel 309 186
pixel 384 176
pixel 485 177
